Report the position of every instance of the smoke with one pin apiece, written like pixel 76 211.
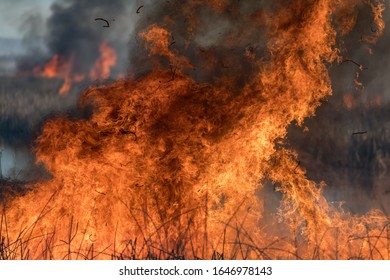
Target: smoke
pixel 33 28
pixel 72 33
pixel 354 167
pixel 213 36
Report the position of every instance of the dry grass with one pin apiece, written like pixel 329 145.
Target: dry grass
pixel 32 245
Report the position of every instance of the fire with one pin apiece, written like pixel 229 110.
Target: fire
pixel 51 69
pixel 102 68
pixel 349 101
pixel 167 167
pixel 57 67
pixel 378 25
pixel 63 67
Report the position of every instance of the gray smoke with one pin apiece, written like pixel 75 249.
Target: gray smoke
pixel 73 33
pixel 215 41
pixel 355 167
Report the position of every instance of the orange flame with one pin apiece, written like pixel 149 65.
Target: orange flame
pixel 51 69
pixel 57 67
pixel 61 67
pixel 169 168
pixel 101 69
pixel 377 8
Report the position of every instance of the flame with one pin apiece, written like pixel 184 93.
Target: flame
pixel 103 65
pixel 169 168
pixel 349 101
pixel 63 67
pixel 377 8
pixel 50 69
pixel 57 67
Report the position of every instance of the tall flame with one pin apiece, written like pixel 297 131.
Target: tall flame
pixel 102 68
pixel 169 168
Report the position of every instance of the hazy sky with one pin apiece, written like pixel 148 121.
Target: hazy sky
pixel 14 12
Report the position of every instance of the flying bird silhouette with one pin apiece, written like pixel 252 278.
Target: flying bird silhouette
pixel 108 24
pixel 139 9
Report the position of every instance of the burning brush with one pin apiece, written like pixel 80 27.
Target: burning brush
pixel 168 167
pixel 61 67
